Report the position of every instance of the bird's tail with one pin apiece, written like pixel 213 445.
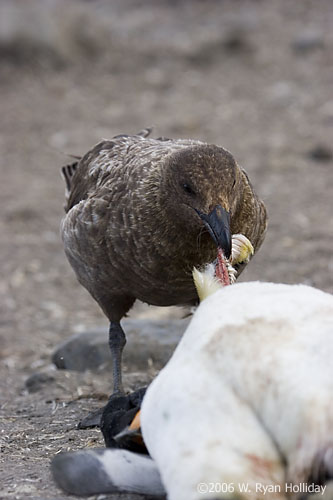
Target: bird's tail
pixel 145 132
pixel 68 172
pixel 92 472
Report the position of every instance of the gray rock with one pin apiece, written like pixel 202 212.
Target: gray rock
pixel 321 153
pixel 37 381
pixel 148 342
pixel 307 42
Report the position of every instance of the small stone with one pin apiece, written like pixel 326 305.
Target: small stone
pixel 321 153
pixel 236 42
pixel 84 351
pixel 37 381
pixel 307 42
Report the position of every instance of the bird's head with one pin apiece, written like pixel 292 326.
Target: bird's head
pixel 199 183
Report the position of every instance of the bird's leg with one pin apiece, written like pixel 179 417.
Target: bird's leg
pixel 117 341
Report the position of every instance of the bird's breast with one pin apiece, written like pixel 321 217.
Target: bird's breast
pixel 165 277
pixel 119 251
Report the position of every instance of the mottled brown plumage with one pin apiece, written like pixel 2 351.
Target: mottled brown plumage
pixel 134 224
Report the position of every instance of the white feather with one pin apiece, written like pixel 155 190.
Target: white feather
pixel 132 472
pixel 247 396
pixel 205 281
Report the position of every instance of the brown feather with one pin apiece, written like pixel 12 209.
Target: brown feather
pixel 131 230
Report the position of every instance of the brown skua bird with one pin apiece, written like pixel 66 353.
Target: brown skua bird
pixel 141 213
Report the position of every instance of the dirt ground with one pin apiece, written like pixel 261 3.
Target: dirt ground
pixel 252 76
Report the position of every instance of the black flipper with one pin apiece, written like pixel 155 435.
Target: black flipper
pixel 117 416
pixel 92 472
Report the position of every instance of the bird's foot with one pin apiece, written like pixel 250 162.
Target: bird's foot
pixel 119 426
pixel 119 403
pixel 93 419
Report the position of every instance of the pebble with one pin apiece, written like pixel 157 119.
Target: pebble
pixel 308 41
pixel 37 381
pixel 321 153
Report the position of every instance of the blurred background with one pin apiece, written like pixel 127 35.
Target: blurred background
pixel 253 76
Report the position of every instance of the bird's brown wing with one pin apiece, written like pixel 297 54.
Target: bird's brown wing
pixel 78 182
pixel 118 151
pixel 250 218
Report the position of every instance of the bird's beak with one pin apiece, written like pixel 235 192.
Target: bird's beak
pixel 218 224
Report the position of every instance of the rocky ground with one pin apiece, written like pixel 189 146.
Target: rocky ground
pixel 252 76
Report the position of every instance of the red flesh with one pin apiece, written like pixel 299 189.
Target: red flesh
pixel 221 270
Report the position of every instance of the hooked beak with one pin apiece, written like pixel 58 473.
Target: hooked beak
pixel 218 224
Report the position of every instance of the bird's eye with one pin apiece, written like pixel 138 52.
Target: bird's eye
pixel 187 188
